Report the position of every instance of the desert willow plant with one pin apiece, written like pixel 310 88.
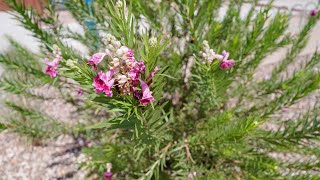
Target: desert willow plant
pixel 167 89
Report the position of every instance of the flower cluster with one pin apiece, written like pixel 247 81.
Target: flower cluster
pixel 209 55
pixel 124 73
pixel 52 66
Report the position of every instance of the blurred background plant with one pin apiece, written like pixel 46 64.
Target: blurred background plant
pixel 206 122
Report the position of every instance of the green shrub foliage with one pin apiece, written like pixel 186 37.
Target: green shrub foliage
pixel 209 114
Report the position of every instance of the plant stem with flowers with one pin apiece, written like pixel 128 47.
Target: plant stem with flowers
pixel 168 91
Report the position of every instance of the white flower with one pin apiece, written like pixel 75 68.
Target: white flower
pixel 153 41
pixel 203 54
pixel 115 62
pixel 110 46
pixel 207 54
pixel 107 39
pixel 119 52
pixel 109 167
pixel 113 41
pixel 108 52
pixel 117 44
pixel 122 79
pixel 124 49
pixel 205 45
pixel 119 4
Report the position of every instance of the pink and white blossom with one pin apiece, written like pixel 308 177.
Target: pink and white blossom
pixel 138 68
pixel 225 62
pixel 52 67
pixel 124 74
pixel 108 174
pixel 96 59
pixel 208 55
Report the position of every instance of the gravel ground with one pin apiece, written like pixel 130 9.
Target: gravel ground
pixel 22 158
pixel 57 158
pixel 53 158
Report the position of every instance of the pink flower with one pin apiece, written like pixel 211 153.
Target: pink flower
pixel 138 68
pixel 141 66
pixel 146 94
pixel 96 59
pixel 285 109
pixel 108 174
pixel 225 63
pixel 314 12
pixel 137 94
pixel 225 54
pixel 218 56
pixel 130 53
pixel 134 75
pixel 52 67
pixel 103 82
pixel 156 69
pixel 98 83
pixel 80 92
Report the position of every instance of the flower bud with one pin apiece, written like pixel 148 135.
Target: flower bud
pixel 108 174
pixel 124 49
pixel 115 62
pixel 119 4
pixel 119 52
pixel 117 44
pixel 71 63
pixel 314 12
pixel 153 42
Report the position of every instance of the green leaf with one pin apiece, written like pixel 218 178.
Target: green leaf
pixel 2 127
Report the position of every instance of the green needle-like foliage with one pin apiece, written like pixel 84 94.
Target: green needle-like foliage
pixel 206 122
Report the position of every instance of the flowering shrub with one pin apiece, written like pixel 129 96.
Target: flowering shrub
pixel 167 89
pixel 209 55
pixel 52 66
pixel 126 70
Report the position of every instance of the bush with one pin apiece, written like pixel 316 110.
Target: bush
pixel 168 91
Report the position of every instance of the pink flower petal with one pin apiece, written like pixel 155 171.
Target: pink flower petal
pixel 103 82
pixel 138 68
pixel 96 59
pixel 313 12
pixel 156 69
pixel 146 94
pixel 52 67
pixel 225 55
pixel 225 64
pixel 130 53
pixel 218 56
